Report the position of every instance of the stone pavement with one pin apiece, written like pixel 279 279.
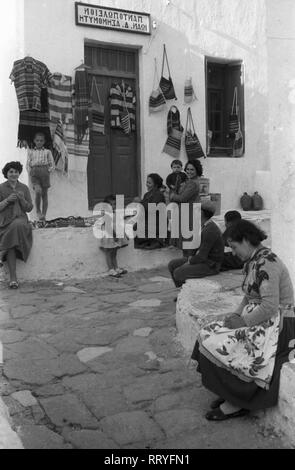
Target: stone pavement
pixel 96 364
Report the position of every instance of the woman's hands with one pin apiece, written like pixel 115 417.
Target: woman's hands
pixel 234 321
pixel 12 198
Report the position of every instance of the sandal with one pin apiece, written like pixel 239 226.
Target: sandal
pixel 218 415
pixel 216 403
pixel 13 285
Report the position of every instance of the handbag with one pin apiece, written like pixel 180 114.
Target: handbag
pixel 173 120
pixel 174 130
pixel 166 84
pixel 233 121
pixel 193 146
pixel 189 94
pixel 173 143
pixel 157 100
pixel 238 145
pixel 97 111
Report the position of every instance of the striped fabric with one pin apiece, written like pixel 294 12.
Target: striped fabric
pixel 117 105
pixel 74 148
pixel 81 104
pixel 157 101
pixel 173 143
pixel 60 99
pixel 31 122
pixel 189 94
pixel 29 77
pixel 193 147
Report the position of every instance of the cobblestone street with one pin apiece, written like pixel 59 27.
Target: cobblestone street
pixel 96 364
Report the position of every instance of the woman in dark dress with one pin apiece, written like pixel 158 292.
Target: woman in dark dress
pixel 15 229
pixel 154 195
pixel 240 358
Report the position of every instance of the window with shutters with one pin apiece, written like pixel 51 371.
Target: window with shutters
pixel 225 90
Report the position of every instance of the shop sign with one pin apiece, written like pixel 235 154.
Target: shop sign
pixel 112 18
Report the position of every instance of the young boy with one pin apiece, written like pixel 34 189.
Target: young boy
pixel 40 163
pixel 177 176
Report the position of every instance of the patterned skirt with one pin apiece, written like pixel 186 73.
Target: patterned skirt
pixel 243 365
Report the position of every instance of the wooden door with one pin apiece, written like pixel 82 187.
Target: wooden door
pixel 113 160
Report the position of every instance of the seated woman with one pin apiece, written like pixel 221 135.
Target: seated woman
pixel 154 195
pixel 15 229
pixel 240 359
pixel 189 192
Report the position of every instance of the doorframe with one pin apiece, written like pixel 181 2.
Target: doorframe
pixel 102 71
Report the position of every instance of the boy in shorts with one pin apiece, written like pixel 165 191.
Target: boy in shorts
pixel 40 164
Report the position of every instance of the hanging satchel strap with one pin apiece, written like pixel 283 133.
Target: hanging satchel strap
pixel 156 76
pixel 165 59
pixel 95 87
pixel 189 122
pixel 235 101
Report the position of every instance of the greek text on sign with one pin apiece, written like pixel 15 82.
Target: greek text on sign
pixel 112 18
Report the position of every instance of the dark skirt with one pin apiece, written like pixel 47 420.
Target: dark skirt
pixel 244 394
pixel 17 235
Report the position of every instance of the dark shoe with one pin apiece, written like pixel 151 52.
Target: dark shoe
pixel 216 403
pixel 218 415
pixel 175 300
pixel 13 285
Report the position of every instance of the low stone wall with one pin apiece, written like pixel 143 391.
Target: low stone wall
pixel 62 253
pixel 201 301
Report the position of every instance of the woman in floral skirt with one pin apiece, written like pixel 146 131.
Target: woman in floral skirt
pixel 240 358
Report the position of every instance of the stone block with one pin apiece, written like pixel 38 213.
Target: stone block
pixel 68 410
pixel 89 440
pixel 25 398
pixel 40 437
pixel 88 354
pixel 178 421
pixel 131 427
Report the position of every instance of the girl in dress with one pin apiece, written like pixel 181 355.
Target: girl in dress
pixel 110 243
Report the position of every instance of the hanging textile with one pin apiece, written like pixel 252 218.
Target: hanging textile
pixel 31 122
pixel 174 130
pixel 122 98
pixel 60 100
pixel 29 77
pixel 81 104
pixel 189 94
pixel 75 148
pixel 97 110
pixel 60 151
pixel 166 84
pixel 157 100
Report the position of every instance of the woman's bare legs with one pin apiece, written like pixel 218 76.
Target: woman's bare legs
pixel 11 262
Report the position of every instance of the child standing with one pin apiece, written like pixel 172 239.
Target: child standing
pixel 177 177
pixel 40 164
pixel 109 242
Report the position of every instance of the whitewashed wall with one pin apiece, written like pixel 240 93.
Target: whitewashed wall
pixel 281 65
pixel 191 29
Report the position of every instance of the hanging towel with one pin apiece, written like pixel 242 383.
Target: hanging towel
pixel 81 104
pixel 60 100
